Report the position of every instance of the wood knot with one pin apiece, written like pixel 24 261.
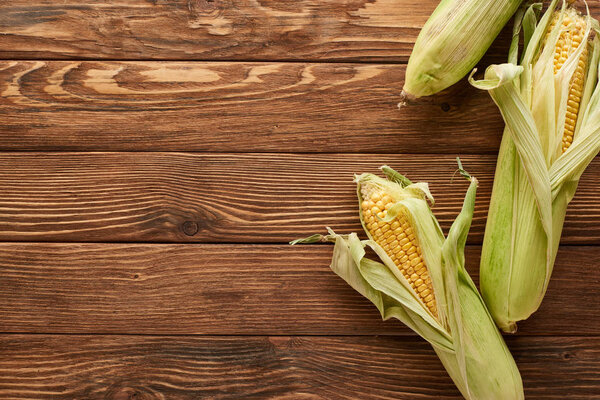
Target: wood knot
pixel 202 6
pixel 190 228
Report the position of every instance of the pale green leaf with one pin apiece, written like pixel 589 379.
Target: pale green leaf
pixel 523 131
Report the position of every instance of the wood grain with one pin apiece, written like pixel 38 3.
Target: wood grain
pixel 148 368
pixel 335 30
pixel 365 30
pixel 234 107
pixel 233 289
pixel 234 198
pixel 88 320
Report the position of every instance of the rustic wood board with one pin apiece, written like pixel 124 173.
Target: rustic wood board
pixel 363 30
pixel 334 30
pixel 233 289
pixel 234 107
pixel 179 367
pixel 236 198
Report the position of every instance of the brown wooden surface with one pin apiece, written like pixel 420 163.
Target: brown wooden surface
pixel 234 107
pixel 363 30
pixel 133 367
pixel 333 30
pixel 235 198
pixel 233 289
pixel 170 149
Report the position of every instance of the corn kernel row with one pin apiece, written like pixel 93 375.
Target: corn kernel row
pixel 398 239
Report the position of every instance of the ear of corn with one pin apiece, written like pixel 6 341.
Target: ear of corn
pixel 396 237
pixel 420 279
pixel 453 40
pixel 549 103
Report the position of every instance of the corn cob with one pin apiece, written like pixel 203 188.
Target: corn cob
pixel 550 106
pixel 452 41
pixel 571 35
pixel 398 240
pixel 420 279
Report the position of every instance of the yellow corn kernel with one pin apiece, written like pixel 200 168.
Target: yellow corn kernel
pixel 401 246
pixel 571 34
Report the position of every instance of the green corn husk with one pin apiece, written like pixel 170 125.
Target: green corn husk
pixel 463 333
pixel 452 41
pixel 534 180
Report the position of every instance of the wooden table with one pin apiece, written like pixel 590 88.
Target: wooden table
pixel 158 155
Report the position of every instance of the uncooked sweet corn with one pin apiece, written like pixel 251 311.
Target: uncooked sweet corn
pixel 453 40
pixel 420 279
pixel 549 99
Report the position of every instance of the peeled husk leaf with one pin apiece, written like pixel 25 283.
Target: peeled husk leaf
pixel 534 180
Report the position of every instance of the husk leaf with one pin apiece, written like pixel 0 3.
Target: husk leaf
pixel 452 41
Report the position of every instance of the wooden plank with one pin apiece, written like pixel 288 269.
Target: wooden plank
pixel 127 367
pixel 234 107
pixel 258 198
pixel 366 30
pixel 232 289
pixel 335 30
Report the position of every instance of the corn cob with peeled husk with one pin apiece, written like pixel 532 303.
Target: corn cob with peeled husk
pixel 452 41
pixel 550 104
pixel 421 280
